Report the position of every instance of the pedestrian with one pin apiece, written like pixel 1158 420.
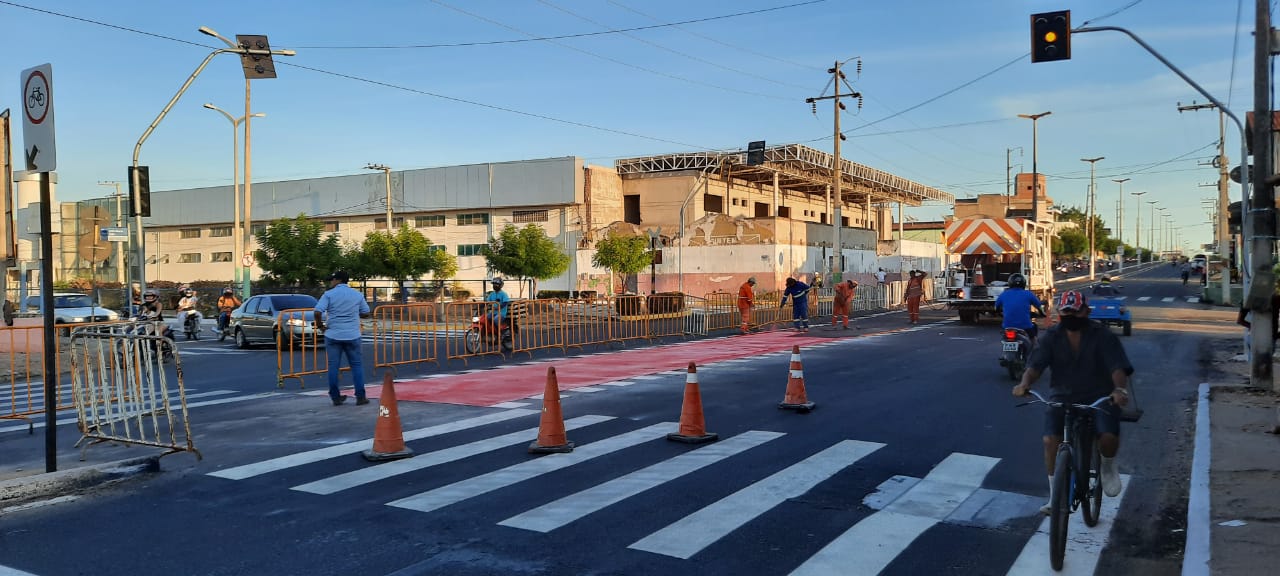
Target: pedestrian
pixel 915 291
pixel 841 305
pixel 799 293
pixel 880 275
pixel 338 313
pixel 746 299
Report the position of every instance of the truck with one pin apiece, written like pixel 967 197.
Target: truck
pixel 985 252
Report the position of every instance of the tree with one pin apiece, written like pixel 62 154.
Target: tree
pixel 621 255
pixel 404 255
pixel 526 253
pixel 294 252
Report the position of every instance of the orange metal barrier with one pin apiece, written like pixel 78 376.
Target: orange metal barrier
pixel 465 342
pixel 667 314
pixel 300 346
pixel 722 311
pixel 404 334
pixel 632 322
pixel 587 321
pixel 23 373
pixel 541 325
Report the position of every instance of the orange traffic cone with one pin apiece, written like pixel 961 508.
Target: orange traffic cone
pixel 551 436
pixel 796 399
pixel 978 280
pixel 388 438
pixel 693 428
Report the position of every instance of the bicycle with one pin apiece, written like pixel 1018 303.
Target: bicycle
pixel 1078 443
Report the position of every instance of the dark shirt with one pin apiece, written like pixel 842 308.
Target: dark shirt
pixel 1086 377
pixel 799 293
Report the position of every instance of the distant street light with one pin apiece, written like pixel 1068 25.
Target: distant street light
pixel 1092 195
pixel 387 170
pixel 1035 168
pixel 1137 236
pixel 1120 216
pixel 235 193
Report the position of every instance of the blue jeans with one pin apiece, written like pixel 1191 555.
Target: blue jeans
pixel 335 349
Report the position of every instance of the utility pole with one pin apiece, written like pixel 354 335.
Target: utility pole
pixel 1120 208
pixel 1223 235
pixel 1008 169
pixel 387 170
pixel 1263 205
pixel 1092 196
pixel 834 197
pixel 1137 235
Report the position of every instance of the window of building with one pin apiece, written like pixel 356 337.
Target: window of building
pixel 331 226
pixel 631 208
pixel 823 218
pixel 762 210
pixel 219 232
pixel 471 249
pixel 429 221
pixel 475 218
pixel 381 223
pixel 220 257
pixel 844 221
pixel 439 248
pixel 186 233
pixel 259 229
pixel 520 216
pixel 713 203
pixel 189 258
pixel 784 211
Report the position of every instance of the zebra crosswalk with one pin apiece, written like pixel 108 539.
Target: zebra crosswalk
pixel 902 509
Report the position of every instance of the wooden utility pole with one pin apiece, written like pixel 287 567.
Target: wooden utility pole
pixel 1223 234
pixel 1263 206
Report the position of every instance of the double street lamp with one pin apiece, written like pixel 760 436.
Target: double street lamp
pixel 235 189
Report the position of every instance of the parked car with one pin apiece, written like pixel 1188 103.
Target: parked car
pixel 73 308
pixel 256 320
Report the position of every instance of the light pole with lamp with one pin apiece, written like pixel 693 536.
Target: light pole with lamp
pixel 387 170
pixel 1159 250
pixel 1120 216
pixel 235 190
pixel 1035 167
pixel 1137 233
pixel 1092 199
pixel 1151 236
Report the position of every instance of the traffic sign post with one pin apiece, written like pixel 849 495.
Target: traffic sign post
pixel 37 119
pixel 113 234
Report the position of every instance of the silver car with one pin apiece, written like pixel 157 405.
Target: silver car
pixel 256 321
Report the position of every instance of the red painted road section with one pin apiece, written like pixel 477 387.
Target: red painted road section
pixel 510 383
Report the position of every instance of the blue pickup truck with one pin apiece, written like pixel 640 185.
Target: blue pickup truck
pixel 1107 307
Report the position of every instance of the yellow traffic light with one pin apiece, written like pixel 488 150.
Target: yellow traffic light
pixel 1050 37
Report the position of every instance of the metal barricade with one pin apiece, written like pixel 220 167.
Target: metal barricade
pixel 22 390
pixel 463 340
pixel 123 391
pixel 300 348
pixel 587 322
pixel 666 314
pixel 822 302
pixel 633 319
pixel 722 311
pixel 695 320
pixel 404 334
pixel 540 325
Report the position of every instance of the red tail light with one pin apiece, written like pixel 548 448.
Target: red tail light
pixel 1010 335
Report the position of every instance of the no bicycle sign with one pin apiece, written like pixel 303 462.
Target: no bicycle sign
pixel 37 119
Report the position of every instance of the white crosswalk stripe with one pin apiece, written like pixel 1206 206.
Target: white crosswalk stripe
pixel 1167 299
pixel 1193 299
pixel 1143 298
pixel 1084 544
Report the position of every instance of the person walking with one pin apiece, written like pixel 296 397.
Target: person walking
pixel 338 313
pixel 799 293
pixel 880 276
pixel 841 305
pixel 746 299
pixel 915 291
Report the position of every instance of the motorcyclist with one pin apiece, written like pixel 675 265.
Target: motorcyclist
pixel 226 303
pixel 498 317
pixel 1186 273
pixel 151 310
pixel 187 307
pixel 1105 288
pixel 1016 304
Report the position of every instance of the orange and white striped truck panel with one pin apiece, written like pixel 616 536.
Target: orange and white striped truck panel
pixel 984 236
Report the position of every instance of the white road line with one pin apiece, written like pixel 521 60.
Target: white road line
pixel 1167 299
pixel 646 377
pixel 1193 299
pixel 555 514
pixel 300 458
pixel 1084 544
pixel 618 383
pixel 7 571
pixel 386 470
pixel 689 535
pixel 172 406
pixel 1195 558
pixel 1144 298
pixel 587 389
pixel 510 405
pixel 485 483
pixel 870 545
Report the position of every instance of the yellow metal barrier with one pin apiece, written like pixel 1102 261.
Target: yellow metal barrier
pixel 300 346
pixel 540 325
pixel 587 321
pixel 463 340
pixel 722 311
pixel 405 334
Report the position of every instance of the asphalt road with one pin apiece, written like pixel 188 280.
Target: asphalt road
pixel 916 461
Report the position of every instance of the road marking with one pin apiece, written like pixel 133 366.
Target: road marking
pixel 1195 559
pixel 691 534
pixel 1193 299
pixel 300 458
pixel 619 383
pixel 871 544
pixel 510 405
pixel 588 389
pixel 1084 544
pixel 7 571
pixel 66 421
pixel 1167 299
pixel 1144 298
pixel 647 377
pixel 485 483
pixel 386 470
pixel 555 514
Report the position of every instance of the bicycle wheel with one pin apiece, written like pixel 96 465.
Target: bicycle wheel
pixel 1093 496
pixel 1060 507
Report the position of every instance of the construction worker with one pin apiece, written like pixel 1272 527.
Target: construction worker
pixel 746 299
pixel 799 293
pixel 841 305
pixel 915 290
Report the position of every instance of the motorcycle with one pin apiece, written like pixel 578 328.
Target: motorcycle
pixel 143 325
pixel 224 325
pixel 191 325
pixel 1015 351
pixel 484 328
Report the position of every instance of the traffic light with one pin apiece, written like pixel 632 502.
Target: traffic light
pixel 1051 36
pixel 143 195
pixel 755 153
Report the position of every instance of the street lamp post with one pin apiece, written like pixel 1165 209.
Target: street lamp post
pixel 1151 235
pixel 236 234
pixel 1137 233
pixel 1092 198
pixel 387 171
pixel 1157 243
pixel 1120 216
pixel 1035 168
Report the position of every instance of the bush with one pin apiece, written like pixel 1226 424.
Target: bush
pixel 628 304
pixel 666 302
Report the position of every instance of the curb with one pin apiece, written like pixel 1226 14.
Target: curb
pixel 62 482
pixel 1196 552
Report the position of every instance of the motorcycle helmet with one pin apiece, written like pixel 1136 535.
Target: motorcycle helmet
pixel 150 294
pixel 497 283
pixel 1017 281
pixel 1106 279
pixel 228 292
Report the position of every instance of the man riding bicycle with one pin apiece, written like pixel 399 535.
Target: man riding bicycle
pixel 1087 363
pixel 1016 304
pixel 226 303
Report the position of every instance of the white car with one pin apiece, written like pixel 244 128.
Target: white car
pixel 73 308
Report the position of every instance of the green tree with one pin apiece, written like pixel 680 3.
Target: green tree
pixel 295 252
pixel 621 255
pixel 525 253
pixel 403 255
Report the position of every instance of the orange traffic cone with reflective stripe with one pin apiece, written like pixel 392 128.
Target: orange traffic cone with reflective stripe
pixel 978 280
pixel 693 428
pixel 551 436
pixel 388 437
pixel 796 399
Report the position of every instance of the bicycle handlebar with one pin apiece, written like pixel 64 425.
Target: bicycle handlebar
pixel 1042 400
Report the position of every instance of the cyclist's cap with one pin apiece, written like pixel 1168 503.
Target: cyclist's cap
pixel 1071 301
pixel 340 276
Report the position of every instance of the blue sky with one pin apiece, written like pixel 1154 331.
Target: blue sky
pixel 709 85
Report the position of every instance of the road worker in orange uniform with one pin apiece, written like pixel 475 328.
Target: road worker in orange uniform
pixel 746 299
pixel 841 305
